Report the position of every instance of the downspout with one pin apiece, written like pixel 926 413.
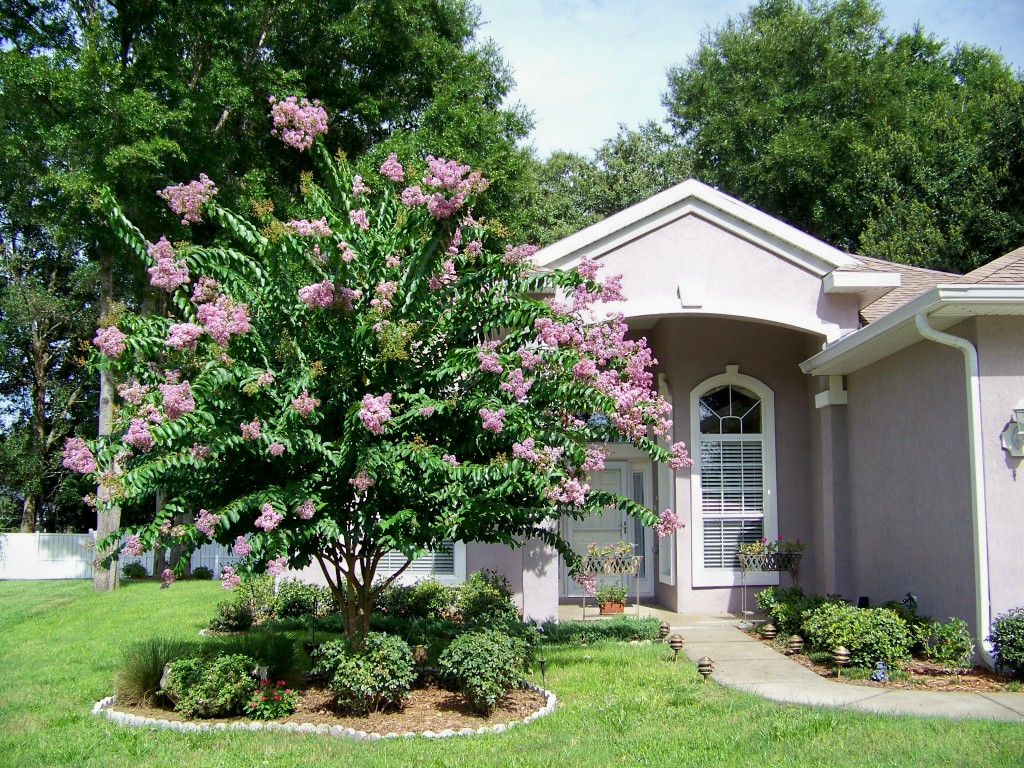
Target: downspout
pixel 979 514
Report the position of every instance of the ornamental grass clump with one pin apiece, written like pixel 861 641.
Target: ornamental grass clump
pixel 274 652
pixel 483 666
pixel 375 371
pixel 372 677
pixel 142 664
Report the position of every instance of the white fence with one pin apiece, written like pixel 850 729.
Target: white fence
pixel 69 556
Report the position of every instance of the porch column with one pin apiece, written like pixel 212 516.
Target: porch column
pixel 832 529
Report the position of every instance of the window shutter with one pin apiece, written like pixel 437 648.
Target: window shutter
pixel 440 563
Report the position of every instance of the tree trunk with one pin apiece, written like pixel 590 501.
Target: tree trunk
pixel 29 512
pixel 160 553
pixel 108 519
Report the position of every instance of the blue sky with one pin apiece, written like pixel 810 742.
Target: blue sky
pixel 584 66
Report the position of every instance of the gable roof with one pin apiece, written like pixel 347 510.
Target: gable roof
pixel 693 197
pixel 912 283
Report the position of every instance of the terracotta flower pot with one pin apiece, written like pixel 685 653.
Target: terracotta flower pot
pixel 612 607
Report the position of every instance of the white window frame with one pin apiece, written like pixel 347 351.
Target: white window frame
pixel 727 577
pixel 667 551
pixel 458 563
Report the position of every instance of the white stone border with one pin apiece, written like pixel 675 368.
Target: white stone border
pixel 104 707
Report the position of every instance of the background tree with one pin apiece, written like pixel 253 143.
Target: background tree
pixel 379 375
pixel 882 142
pixel 96 93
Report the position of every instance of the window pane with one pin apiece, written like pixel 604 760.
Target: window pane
pixel 722 537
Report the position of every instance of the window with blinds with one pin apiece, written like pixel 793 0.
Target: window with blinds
pixel 441 563
pixel 732 473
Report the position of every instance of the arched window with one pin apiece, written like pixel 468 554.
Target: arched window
pixel 733 480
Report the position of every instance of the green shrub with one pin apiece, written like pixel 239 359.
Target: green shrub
pixel 257 592
pixel 786 607
pixel 949 644
pixel 202 573
pixel 204 687
pixel 135 570
pixel 142 665
pixel 272 650
pixel 297 598
pixel 1007 635
pixel 483 666
pixel 920 627
pixel 366 679
pixel 423 599
pixel 870 634
pixel 232 616
pixel 485 600
pixel 623 628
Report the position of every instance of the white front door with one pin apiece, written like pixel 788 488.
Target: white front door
pixel 612 526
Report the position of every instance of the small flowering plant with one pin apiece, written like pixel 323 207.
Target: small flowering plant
pixel 766 547
pixel 619 549
pixel 611 592
pixel 374 371
pixel 271 700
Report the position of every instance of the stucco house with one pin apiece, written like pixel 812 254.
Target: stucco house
pixel 860 405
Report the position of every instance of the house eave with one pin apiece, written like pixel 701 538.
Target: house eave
pixel 867 286
pixel 945 306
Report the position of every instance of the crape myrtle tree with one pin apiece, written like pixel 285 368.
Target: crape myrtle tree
pixel 379 376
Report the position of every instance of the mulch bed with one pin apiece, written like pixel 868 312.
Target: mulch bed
pixel 921 676
pixel 427 708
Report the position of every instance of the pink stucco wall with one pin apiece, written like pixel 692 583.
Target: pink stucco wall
pixel 691 350
pixel 909 525
pixel 1000 344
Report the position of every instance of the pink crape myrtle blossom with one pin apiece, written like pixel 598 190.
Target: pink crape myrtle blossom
pixel 474 248
pixel 668 523
pixel 151 413
pixel 488 359
pixel 132 392
pixel 205 290
pixel 132 547
pixel 184 335
pixel 492 420
pixel 594 461
pixel 305 404
pixel 77 457
pixel 241 547
pixel 305 510
pixel 198 451
pixel 169 272
pixel 588 268
pixel 392 261
pixel 569 491
pixel 587 582
pixel 358 217
pixel 680 457
pixel 207 523
pixel 441 207
pixel 187 200
pixel 449 458
pixel 228 578
pixel 454 242
pixel 348 298
pixel 362 481
pixel 543 455
pixel 318 294
pixel 426 411
pixel 276 449
pixel 178 399
pixel 529 359
pixel 392 169
pixel 446 174
pixel 251 430
pixel 166 578
pixel 447 276
pixel 277 566
pixel 516 384
pixel 584 370
pixel 306 227
pixel 413 196
pixel 138 435
pixel 269 518
pixel 110 341
pixel 265 379
pixel 297 122
pixel 518 254
pixel 358 187
pixel 375 412
pixel 223 319
pixel 345 251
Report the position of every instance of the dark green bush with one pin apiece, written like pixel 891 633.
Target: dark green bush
pixel 786 607
pixel 202 573
pixel 870 634
pixel 134 571
pixel 949 644
pixel 297 598
pixel 1007 635
pixel 366 679
pixel 421 600
pixel 591 631
pixel 485 600
pixel 272 650
pixel 232 616
pixel 920 627
pixel 483 666
pixel 142 665
pixel 205 687
pixel 257 592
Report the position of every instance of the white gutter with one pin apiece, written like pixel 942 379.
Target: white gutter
pixel 982 598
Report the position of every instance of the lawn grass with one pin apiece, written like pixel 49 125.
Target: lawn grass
pixel 621 705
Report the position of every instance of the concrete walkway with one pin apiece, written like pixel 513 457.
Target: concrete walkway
pixel 747 664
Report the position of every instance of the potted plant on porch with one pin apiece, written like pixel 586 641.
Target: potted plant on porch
pixel 611 597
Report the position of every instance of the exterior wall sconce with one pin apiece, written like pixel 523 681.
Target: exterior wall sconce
pixel 1012 438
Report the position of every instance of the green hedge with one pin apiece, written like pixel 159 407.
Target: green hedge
pixel 581 632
